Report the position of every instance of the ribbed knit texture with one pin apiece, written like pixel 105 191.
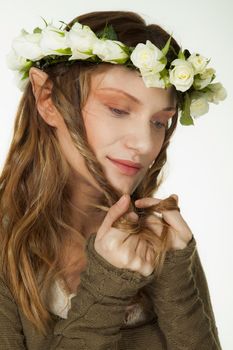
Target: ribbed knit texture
pixel 180 300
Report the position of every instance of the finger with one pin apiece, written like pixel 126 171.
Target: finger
pixel 174 219
pixel 154 224
pixel 146 202
pixel 175 197
pixel 132 216
pixel 116 211
pixel 155 218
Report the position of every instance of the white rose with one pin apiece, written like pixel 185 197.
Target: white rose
pixel 216 93
pixel 14 61
pixel 28 46
pixel 147 57
pixel 20 83
pixel 199 62
pixel 202 80
pixel 110 51
pixel 199 105
pixel 53 40
pixel 181 76
pixel 152 80
pixel 81 40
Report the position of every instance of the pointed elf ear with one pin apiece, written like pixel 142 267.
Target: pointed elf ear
pixel 38 79
pixel 41 87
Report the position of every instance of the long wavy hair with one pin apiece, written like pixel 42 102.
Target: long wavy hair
pixel 35 203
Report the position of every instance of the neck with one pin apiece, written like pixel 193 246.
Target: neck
pixel 81 210
pixel 73 257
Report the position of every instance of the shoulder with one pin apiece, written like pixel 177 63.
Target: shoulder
pixel 9 311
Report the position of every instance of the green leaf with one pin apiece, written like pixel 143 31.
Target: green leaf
pixel 163 60
pixel 213 77
pixel 181 55
pixel 37 30
pixel 125 49
pixel 107 33
pixel 111 33
pixel 164 73
pixel 121 60
pixel 25 75
pixel 58 32
pixel 165 76
pixel 46 24
pixel 166 47
pixel 130 49
pixel 26 67
pixel 186 118
pixel 174 51
pixel 66 51
pixel 66 25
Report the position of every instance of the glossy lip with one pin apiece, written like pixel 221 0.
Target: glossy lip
pixel 127 162
pixel 124 169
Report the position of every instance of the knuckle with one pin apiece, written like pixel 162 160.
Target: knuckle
pixel 137 263
pixel 125 259
pixel 111 240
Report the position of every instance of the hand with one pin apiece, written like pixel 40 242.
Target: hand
pixel 179 231
pixel 119 248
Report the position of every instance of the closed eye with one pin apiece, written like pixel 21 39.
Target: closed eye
pixel 120 112
pixel 117 111
pixel 162 125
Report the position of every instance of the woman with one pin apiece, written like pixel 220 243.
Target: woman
pixel 83 265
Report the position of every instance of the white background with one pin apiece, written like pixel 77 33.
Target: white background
pixel 200 167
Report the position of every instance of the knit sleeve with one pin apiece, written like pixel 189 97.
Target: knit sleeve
pixel 97 311
pixel 11 334
pixel 181 300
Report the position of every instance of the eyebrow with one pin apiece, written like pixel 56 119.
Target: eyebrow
pixel 171 108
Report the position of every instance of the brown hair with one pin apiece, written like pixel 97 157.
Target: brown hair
pixel 34 192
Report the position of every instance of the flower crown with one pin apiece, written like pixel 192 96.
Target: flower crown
pixel 188 73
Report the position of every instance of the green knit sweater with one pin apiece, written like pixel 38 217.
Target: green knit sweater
pixel 180 303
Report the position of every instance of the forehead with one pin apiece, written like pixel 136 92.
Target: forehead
pixel 128 84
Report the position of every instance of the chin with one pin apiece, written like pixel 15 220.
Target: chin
pixel 123 184
pixel 124 188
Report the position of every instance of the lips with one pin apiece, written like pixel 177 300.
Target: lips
pixel 123 168
pixel 127 162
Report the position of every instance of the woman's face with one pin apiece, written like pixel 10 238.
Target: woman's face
pixel 126 120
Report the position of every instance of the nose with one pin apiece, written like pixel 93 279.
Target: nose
pixel 140 137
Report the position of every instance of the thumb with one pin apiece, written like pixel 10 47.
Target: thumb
pixel 118 209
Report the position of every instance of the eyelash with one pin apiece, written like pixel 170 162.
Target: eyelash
pixel 113 110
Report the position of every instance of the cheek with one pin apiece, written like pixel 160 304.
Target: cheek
pixel 158 144
pixel 98 131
